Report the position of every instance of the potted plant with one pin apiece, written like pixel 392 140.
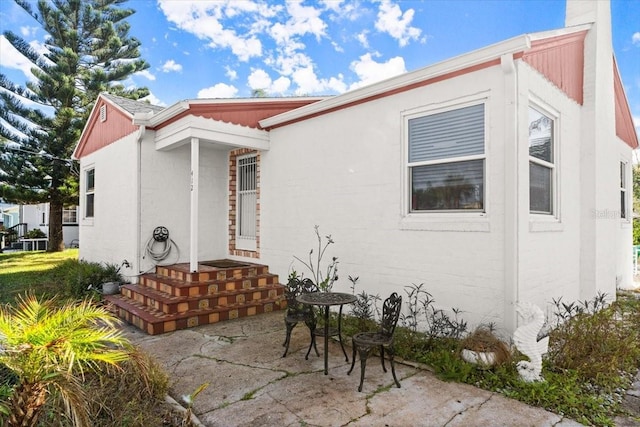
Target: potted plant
pixel 112 279
pixel 483 348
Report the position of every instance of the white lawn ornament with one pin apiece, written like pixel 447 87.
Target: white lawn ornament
pixel 526 340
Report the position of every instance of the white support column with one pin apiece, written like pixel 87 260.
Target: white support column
pixel 193 239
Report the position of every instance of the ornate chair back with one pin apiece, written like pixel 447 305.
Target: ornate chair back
pixel 390 314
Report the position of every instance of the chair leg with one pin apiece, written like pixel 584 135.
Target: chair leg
pixel 364 354
pixel 353 356
pixel 382 358
pixel 393 368
pixel 287 340
pixel 312 332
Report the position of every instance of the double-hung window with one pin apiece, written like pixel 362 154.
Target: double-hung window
pixel 623 190
pixel 89 193
pixel 446 160
pixel 541 163
pixel 69 215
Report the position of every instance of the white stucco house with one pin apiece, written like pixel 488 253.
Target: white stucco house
pixel 28 217
pixel 498 176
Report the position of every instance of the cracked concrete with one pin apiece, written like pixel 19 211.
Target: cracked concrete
pixel 250 384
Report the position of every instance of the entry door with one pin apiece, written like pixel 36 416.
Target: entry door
pixel 246 203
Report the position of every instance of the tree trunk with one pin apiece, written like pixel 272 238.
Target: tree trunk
pixel 26 403
pixel 56 242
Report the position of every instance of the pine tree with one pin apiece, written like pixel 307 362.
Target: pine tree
pixel 88 51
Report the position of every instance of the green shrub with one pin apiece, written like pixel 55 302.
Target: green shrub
pixel 79 278
pixel 598 346
pixel 636 232
pixel 36 233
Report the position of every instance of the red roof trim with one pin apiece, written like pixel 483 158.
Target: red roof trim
pixel 561 60
pixel 624 121
pixel 394 91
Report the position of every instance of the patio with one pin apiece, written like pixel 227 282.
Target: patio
pixel 250 384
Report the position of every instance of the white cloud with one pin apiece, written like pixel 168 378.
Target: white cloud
pixel 219 90
pixel 370 71
pixel 153 100
pixel 635 38
pixel 231 73
pixel 146 74
pixel 170 66
pixel 308 83
pixel 280 86
pixel 11 58
pixel 29 32
pixel 303 20
pixel 391 20
pixel 259 79
pixel 206 19
pixel 362 39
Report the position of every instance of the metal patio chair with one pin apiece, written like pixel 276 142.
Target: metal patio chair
pixel 365 342
pixel 298 312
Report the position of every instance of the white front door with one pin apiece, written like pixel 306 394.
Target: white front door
pixel 246 203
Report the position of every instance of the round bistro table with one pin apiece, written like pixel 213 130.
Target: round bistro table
pixel 326 300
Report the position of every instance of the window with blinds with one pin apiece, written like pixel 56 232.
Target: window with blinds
pixel 446 160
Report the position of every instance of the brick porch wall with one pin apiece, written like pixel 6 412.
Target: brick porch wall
pixel 233 156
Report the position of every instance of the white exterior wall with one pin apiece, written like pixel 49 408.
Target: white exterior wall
pixel 108 237
pixel 344 171
pixel 549 258
pixel 123 230
pixel 624 237
pixel 37 216
pixel 165 193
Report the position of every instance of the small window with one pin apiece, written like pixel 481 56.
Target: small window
pixel 446 160
pixel 103 113
pixel 623 190
pixel 89 193
pixel 541 163
pixel 70 215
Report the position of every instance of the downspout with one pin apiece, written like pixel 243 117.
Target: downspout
pixel 138 226
pixel 511 193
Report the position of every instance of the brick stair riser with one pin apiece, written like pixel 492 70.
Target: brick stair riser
pixel 199 288
pixel 160 326
pixel 223 274
pixel 206 301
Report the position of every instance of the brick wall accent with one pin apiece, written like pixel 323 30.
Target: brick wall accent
pixel 233 157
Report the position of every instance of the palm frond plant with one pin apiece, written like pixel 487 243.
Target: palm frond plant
pixel 49 347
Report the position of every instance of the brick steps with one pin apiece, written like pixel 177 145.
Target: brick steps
pixel 174 298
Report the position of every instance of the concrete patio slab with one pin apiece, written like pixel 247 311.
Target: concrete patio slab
pixel 251 384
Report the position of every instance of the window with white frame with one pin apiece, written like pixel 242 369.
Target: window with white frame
pixel 446 160
pixel 89 193
pixel 542 167
pixel 623 190
pixel 70 215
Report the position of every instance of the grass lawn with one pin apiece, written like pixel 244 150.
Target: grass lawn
pixel 31 271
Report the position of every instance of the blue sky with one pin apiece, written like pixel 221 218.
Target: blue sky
pixel 209 49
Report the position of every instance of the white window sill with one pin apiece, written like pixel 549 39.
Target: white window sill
pixel 541 223
pixel 463 222
pixel 87 222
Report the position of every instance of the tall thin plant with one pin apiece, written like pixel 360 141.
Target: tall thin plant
pixel 325 280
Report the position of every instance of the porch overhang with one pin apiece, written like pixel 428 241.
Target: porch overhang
pixel 210 132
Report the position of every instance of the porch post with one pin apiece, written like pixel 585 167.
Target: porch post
pixel 193 239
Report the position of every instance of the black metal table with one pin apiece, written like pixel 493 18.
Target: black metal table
pixel 326 300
